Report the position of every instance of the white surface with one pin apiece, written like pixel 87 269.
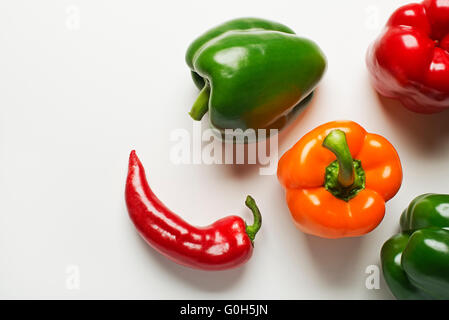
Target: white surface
pixel 74 100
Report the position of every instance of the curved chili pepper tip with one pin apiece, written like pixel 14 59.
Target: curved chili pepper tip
pixel 254 228
pixel 133 159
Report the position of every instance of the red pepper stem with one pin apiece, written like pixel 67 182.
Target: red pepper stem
pixel 201 105
pixel 254 228
pixel 337 143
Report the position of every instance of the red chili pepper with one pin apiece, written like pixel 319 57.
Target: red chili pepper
pixel 410 59
pixel 225 244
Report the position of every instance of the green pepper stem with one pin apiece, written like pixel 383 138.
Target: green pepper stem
pixel 254 228
pixel 337 143
pixel 201 104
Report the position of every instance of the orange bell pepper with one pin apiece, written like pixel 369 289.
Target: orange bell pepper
pixel 329 194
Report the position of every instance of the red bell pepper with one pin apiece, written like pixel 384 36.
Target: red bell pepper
pixel 410 59
pixel 225 244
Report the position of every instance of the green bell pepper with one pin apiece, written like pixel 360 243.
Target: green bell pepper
pixel 252 74
pixel 415 262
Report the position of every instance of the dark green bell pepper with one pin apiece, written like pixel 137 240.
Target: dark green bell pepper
pixel 415 262
pixel 252 73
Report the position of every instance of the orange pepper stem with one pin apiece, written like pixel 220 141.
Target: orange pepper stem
pixel 336 142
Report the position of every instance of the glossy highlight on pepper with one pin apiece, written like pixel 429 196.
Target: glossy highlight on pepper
pixel 253 74
pixel 225 244
pixel 410 59
pixel 338 178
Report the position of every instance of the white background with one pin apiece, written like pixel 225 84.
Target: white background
pixel 75 99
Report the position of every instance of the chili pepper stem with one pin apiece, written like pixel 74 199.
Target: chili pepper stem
pixel 336 142
pixel 201 105
pixel 254 228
